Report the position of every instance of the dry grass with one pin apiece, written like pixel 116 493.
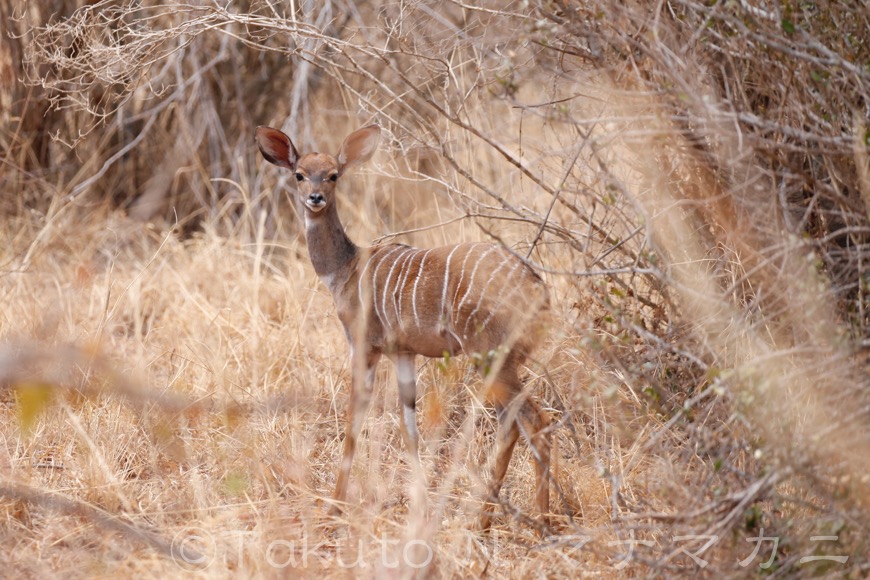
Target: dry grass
pixel 245 335
pixel 174 376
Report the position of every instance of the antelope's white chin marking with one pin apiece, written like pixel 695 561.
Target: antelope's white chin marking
pixel 315 207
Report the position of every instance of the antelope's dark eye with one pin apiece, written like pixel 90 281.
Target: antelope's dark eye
pixel 334 177
pixel 299 177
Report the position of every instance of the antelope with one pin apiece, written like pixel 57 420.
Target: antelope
pixel 476 299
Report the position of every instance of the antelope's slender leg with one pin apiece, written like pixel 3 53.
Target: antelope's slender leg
pixel 357 407
pixel 534 423
pixel 406 374
pixel 506 440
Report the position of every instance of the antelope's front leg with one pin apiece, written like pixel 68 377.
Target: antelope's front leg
pixel 407 378
pixel 362 378
pixel 406 374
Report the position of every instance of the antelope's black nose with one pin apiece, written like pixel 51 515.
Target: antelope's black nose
pixel 315 198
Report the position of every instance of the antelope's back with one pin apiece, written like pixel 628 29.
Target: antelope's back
pixel 473 298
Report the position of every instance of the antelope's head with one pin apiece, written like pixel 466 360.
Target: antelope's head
pixel 316 174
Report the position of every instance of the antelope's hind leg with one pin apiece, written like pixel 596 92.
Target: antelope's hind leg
pixel 506 439
pixel 534 424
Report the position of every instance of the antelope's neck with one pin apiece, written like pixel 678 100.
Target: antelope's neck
pixel 332 253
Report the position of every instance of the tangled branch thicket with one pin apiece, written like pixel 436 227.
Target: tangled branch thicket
pixel 692 178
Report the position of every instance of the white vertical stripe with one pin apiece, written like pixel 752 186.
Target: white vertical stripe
pixel 462 271
pixel 400 285
pixel 483 292
pixel 375 279
pixel 446 280
pixel 386 291
pixel 373 253
pixel 417 281
pixel 471 280
pixel 502 298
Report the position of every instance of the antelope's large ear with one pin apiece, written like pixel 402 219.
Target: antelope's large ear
pixel 277 148
pixel 358 147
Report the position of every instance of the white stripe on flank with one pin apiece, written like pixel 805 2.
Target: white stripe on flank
pixel 398 293
pixel 502 298
pixel 387 284
pixel 400 285
pixel 446 280
pixel 462 271
pixel 417 281
pixel 471 280
pixel 483 291
pixel 375 280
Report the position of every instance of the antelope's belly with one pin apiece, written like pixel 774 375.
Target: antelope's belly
pixel 424 343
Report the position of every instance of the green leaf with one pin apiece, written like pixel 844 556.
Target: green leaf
pixel 819 76
pixel 788 26
pixel 235 483
pixel 32 399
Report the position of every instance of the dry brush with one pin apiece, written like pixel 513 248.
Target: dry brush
pixel 691 178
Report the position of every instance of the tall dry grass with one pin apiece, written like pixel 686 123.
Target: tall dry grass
pixel 690 178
